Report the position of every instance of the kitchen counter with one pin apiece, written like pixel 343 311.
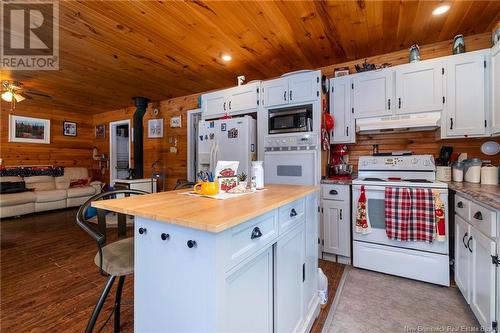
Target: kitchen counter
pixel 486 194
pixel 330 181
pixel 205 213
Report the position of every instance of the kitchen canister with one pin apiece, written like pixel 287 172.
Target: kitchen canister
pixel 258 174
pixel 443 173
pixel 458 171
pixel 489 175
pixel 472 170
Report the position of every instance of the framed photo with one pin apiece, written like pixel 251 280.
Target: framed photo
pixel 341 71
pixel 69 128
pixel 100 131
pixel 155 128
pixel 29 130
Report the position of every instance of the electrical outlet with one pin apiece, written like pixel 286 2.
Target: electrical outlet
pixel 173 150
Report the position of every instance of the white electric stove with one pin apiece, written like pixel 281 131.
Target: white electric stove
pixel 375 251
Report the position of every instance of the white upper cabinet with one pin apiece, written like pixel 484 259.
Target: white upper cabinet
pixel 275 92
pixel 292 89
pixel 213 104
pixel 465 107
pixel 495 90
pixel 244 97
pixel 341 110
pixel 373 93
pixel 419 87
pixel 238 100
pixel 303 87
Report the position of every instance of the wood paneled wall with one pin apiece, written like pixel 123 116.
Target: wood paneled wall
pixel 62 150
pixel 173 164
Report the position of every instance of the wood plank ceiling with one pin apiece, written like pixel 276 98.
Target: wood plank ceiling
pixel 113 50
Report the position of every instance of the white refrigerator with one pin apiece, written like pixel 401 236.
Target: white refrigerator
pixel 227 140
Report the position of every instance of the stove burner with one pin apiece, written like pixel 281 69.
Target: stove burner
pixel 373 180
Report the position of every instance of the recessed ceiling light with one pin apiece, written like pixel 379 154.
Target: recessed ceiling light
pixel 441 10
pixel 226 57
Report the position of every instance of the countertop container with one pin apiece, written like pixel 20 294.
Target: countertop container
pixel 489 175
pixel 458 172
pixel 472 170
pixel 443 173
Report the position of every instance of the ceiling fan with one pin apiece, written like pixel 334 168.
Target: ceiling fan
pixel 13 92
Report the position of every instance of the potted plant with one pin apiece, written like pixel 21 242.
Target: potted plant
pixel 242 179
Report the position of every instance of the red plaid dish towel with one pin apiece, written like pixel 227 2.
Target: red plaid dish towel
pixel 397 213
pixel 423 215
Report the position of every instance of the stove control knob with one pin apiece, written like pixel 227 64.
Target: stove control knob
pixel 414 160
pixel 426 163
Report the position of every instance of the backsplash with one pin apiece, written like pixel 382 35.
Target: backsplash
pixel 424 142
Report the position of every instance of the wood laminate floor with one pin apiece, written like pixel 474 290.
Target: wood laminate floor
pixel 49 283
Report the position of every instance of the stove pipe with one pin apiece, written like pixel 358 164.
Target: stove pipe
pixel 141 104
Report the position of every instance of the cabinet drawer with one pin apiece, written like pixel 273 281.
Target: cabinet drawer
pixel 290 215
pixel 483 219
pixel 250 237
pixel 335 192
pixel 462 207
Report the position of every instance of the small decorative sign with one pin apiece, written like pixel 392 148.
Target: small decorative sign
pixel 155 128
pixel 176 122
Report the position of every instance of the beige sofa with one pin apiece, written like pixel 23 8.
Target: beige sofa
pixel 48 193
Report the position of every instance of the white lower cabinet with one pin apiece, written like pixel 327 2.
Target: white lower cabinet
pixel 289 277
pixel 249 296
pixel 462 260
pixel 482 299
pixel 476 262
pixel 336 219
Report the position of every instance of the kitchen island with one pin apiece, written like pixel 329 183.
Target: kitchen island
pixel 245 264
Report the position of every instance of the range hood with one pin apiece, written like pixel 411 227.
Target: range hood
pixel 412 122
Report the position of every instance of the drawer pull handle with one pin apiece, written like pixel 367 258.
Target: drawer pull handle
pixel 341 214
pixel 191 243
pixel 165 236
pixel 463 239
pixel 142 230
pixel 256 233
pixel 293 212
pixel 460 204
pixel 468 245
pixel 334 192
pixel 478 216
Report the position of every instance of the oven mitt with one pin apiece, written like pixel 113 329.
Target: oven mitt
pixel 362 224
pixel 440 218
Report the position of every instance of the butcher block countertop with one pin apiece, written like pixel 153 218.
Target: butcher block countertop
pixel 205 213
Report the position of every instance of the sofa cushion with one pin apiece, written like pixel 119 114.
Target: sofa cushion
pixel 40 183
pixel 13 199
pixel 11 179
pixel 76 192
pixel 71 174
pixel 50 195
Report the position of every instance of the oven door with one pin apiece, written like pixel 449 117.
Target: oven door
pixel 290 167
pixel 375 213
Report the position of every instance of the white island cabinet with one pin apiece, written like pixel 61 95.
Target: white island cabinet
pixel 198 267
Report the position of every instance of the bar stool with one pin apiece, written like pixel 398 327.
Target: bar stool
pixel 114 260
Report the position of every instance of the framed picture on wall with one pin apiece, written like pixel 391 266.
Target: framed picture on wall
pixel 155 128
pixel 29 130
pixel 100 131
pixel 69 128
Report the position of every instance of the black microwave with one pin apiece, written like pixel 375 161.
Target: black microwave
pixel 291 119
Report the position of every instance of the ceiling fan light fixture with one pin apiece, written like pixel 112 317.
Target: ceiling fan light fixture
pixel 19 97
pixel 440 10
pixel 7 96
